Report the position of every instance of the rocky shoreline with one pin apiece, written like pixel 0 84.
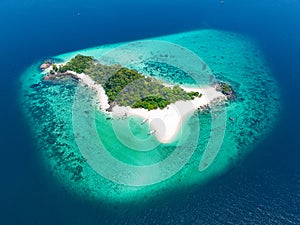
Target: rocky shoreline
pixel 46 64
pixel 53 78
pixel 226 89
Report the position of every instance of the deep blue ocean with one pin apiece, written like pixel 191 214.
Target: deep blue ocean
pixel 262 189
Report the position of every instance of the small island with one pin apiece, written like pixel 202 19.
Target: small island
pixel 126 92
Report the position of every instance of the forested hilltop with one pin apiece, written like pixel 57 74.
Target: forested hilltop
pixel 124 86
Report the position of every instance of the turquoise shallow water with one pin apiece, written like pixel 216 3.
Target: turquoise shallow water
pixel 230 57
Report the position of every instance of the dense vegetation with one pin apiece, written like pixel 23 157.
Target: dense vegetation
pixel 151 102
pixel 77 64
pixel 127 87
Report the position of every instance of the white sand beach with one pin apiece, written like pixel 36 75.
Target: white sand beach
pixel 103 99
pixel 167 122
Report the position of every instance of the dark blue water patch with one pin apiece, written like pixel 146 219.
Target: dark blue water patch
pixel 282 146
pixel 241 197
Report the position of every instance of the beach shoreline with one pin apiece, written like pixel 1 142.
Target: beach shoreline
pixel 167 122
pixel 164 123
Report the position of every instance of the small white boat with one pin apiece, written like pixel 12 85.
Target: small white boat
pixel 144 121
pixel 151 132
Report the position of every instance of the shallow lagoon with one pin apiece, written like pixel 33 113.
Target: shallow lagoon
pixel 231 57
